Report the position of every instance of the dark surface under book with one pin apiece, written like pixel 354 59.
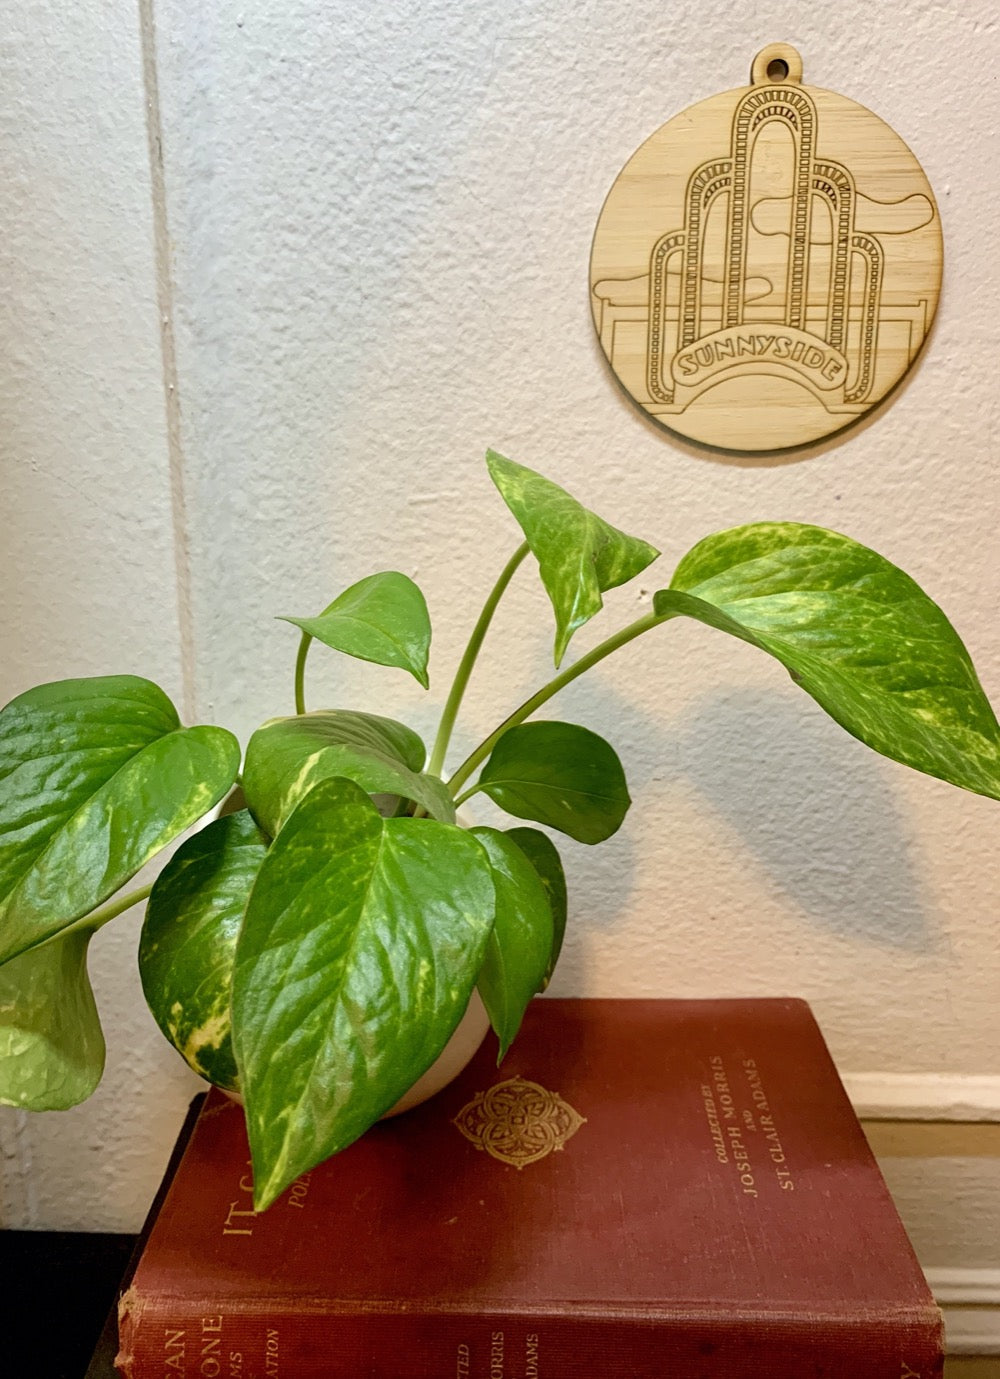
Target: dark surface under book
pixel 57 1286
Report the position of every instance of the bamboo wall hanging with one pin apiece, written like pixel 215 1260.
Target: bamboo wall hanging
pixel 767 265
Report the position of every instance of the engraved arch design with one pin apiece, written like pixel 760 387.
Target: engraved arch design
pixel 705 185
pixel 836 185
pixel 871 252
pixel 855 259
pixel 656 358
pixel 757 109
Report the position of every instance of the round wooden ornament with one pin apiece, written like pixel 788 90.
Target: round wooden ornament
pixel 766 266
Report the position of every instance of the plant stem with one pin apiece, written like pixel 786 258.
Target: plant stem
pixel 300 672
pixel 627 634
pixel 97 919
pixel 93 921
pixel 468 660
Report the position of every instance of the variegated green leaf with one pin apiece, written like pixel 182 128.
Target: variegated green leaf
pixel 357 956
pixel 543 855
pixel 188 943
pixel 580 556
pixel 561 775
pixel 288 756
pixel 857 634
pixel 96 776
pixel 51 1045
pixel 520 944
pixel 382 618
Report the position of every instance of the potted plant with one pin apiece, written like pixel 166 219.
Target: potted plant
pixel 315 946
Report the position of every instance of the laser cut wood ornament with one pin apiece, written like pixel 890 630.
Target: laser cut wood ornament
pixel 767 265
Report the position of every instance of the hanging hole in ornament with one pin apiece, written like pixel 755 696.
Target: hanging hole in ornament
pixel 778 62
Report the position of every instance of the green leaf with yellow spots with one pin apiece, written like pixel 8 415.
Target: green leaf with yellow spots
pixel 558 774
pixel 51 1044
pixel 580 556
pixel 518 950
pixel 356 960
pixel 857 634
pixel 543 855
pixel 188 942
pixel 382 618
pixel 287 757
pixel 96 776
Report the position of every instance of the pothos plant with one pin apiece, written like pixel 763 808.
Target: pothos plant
pixel 315 949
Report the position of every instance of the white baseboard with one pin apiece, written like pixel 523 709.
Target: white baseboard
pixel 924 1096
pixel 969 1298
pixel 970 1301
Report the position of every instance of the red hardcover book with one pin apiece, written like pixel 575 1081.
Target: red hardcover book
pixel 644 1189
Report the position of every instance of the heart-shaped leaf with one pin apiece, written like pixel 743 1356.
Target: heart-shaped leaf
pixel 580 556
pixel 543 855
pixel 561 775
pixel 358 953
pixel 857 634
pixel 96 776
pixel 520 945
pixel 51 1045
pixel 188 943
pixel 382 618
pixel 288 756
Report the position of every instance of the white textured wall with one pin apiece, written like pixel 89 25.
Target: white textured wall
pixel 379 228
pixel 87 554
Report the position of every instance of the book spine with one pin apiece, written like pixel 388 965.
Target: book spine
pixel 162 1338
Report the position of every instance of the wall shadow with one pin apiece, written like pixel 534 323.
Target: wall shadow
pixel 820 814
pixel 816 809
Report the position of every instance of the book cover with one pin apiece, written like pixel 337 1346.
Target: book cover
pixel 651 1189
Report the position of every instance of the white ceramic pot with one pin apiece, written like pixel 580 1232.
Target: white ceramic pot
pixel 469 1034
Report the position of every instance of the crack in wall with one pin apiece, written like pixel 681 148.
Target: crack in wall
pixel 18 1193
pixel 168 345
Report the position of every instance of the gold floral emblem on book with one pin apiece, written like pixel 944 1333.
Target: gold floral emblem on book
pixel 518 1122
